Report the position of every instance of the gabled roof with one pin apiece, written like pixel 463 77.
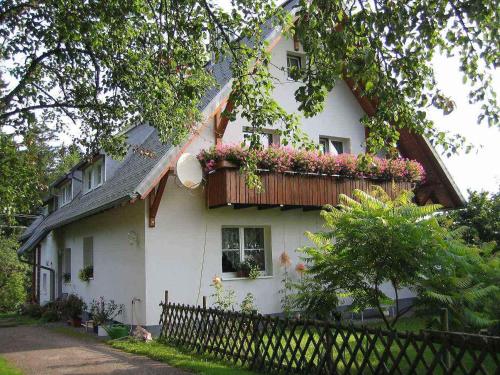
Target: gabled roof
pixel 120 188
pixel 137 174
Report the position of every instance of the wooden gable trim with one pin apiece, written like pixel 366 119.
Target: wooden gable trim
pixel 155 198
pixel 414 146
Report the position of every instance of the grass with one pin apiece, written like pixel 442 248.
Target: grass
pixel 7 369
pixel 15 319
pixel 178 358
pixel 413 324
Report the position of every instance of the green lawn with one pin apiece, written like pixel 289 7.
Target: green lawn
pixel 178 358
pixel 7 369
pixel 16 319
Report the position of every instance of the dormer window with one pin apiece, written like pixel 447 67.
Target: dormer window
pixel 93 176
pixel 65 193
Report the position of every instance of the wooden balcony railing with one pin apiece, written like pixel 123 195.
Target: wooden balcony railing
pixel 226 185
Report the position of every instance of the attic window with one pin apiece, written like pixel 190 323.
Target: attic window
pixel 293 61
pixel 65 194
pixel 93 176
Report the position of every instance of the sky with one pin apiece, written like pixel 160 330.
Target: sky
pixel 480 169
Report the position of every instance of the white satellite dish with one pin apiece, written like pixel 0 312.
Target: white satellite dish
pixel 189 171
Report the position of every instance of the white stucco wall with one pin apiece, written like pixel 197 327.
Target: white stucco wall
pixel 183 251
pixel 340 117
pixel 118 262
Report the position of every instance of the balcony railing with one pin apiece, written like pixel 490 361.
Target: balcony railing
pixel 227 186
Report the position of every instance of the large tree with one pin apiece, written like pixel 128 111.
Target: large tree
pixel 106 64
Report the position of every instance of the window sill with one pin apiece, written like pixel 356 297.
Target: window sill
pixel 235 278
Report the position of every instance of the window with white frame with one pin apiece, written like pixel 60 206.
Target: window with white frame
pixel 44 283
pixel 65 193
pixel 88 254
pixel 293 62
pixel 67 263
pixel 241 244
pixel 336 146
pixel 93 175
pixel 267 137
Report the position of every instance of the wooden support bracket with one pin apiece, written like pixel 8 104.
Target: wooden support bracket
pixel 155 199
pixel 221 120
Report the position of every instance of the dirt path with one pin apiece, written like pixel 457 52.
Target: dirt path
pixel 39 350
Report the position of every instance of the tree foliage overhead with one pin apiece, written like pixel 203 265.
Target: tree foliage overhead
pixel 107 64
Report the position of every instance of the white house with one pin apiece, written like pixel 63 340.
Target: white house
pixel 144 233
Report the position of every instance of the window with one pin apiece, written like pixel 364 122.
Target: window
pixel 65 194
pixel 44 283
pixel 333 145
pixel 88 253
pixel 267 137
pixel 293 61
pixel 244 243
pixel 67 263
pixel 93 176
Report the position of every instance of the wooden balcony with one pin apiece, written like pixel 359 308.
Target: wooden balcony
pixel 227 186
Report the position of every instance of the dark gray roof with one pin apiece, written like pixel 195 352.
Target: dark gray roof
pixel 119 188
pixel 136 172
pixel 28 231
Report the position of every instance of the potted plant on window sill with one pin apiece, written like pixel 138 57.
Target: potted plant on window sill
pixel 103 313
pixel 67 278
pixel 248 269
pixel 86 274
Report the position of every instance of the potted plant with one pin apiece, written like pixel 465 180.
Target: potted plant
pixel 66 277
pixel 73 308
pixel 249 268
pixel 103 313
pixel 86 273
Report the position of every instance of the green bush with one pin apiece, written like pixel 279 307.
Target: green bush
pixel 73 307
pixel 13 279
pixel 32 309
pixel 50 315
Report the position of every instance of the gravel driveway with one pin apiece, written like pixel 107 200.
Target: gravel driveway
pixel 39 350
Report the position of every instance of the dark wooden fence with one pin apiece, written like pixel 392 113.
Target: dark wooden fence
pixel 274 345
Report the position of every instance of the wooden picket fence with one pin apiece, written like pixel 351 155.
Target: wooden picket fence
pixel 274 345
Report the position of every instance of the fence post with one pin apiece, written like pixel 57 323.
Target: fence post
pixel 329 349
pixel 445 326
pixel 166 297
pixel 204 302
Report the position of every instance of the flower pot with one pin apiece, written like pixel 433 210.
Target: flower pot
pixel 76 322
pixel 242 273
pixel 101 332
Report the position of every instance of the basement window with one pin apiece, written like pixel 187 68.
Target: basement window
pixel 240 244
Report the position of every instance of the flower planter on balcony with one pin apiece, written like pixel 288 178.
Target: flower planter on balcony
pixel 226 185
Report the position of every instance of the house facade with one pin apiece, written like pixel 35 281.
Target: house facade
pixel 141 232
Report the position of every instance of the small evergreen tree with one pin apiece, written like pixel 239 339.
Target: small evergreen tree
pixel 370 241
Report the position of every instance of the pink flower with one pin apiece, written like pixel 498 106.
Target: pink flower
pixel 281 159
pixel 300 268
